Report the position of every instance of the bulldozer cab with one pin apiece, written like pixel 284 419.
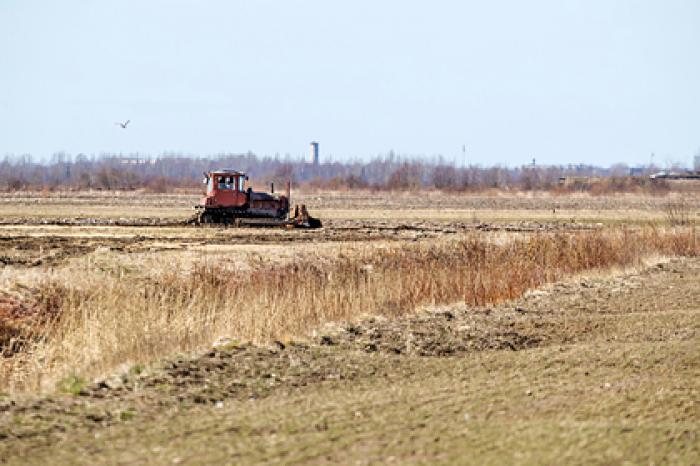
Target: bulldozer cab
pixel 225 181
pixel 225 188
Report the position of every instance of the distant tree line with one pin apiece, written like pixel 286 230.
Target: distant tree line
pixel 388 172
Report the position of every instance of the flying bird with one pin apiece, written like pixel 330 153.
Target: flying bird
pixel 123 125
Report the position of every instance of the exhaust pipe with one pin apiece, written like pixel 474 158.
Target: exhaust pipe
pixel 289 197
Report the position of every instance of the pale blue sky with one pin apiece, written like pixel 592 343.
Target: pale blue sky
pixel 597 81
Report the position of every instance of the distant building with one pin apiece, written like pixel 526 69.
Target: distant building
pixel 314 153
pixel 578 181
pixel 685 175
pixel 697 163
pixel 136 161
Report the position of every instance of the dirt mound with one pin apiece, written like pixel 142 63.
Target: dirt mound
pixel 447 332
pixel 560 313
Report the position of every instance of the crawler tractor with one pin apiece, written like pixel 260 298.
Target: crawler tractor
pixel 229 201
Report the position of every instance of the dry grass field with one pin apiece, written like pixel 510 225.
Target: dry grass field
pixel 412 328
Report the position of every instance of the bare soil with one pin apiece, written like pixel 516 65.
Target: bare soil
pixel 599 369
pixel 137 200
pixel 138 208
pixel 594 370
pixel 30 245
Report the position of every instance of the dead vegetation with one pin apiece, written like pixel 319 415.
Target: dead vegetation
pixel 26 314
pixel 114 316
pixel 418 328
pixel 679 211
pixel 607 375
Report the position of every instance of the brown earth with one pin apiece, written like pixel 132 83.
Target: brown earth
pixel 144 209
pixel 31 245
pixel 594 370
pixel 563 313
pixel 355 200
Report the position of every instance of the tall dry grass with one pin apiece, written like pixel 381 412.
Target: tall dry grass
pixel 126 320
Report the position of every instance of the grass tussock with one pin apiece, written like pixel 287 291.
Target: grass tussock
pixel 121 319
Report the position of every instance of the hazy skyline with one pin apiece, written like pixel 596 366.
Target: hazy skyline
pixel 562 81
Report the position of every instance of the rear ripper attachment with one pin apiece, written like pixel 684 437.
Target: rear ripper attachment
pixel 228 201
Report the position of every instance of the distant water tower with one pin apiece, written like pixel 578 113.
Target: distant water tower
pixel 314 153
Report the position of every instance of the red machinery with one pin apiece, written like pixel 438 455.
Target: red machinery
pixel 229 201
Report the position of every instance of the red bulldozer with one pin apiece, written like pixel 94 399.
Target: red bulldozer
pixel 230 201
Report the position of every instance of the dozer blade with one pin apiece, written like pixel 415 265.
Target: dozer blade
pixel 302 219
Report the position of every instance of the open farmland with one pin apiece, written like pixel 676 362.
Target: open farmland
pixel 349 207
pixel 414 328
